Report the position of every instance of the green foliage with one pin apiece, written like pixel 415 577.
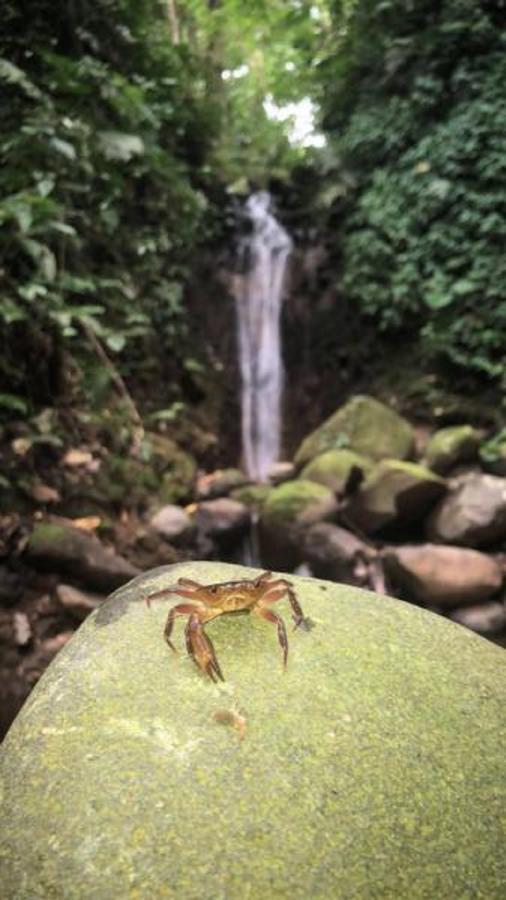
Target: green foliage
pixel 100 211
pixel 421 114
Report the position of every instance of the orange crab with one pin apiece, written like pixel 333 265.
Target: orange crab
pixel 211 600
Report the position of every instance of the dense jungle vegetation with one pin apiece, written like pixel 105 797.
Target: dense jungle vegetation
pixel 129 128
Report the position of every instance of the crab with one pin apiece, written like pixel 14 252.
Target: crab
pixel 208 601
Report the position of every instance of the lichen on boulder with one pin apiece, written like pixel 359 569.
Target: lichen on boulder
pixel 452 445
pixel 374 766
pixel 364 425
pixel 334 467
pixel 395 493
pixel 290 508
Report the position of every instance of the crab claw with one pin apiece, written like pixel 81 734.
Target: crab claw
pixel 200 648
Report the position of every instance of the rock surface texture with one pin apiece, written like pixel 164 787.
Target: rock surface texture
pixel 373 767
pixel 474 513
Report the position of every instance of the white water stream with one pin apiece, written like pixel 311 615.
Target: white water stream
pixel 258 301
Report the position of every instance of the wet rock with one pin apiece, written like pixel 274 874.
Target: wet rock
pixel 452 445
pixel 11 586
pixel 386 721
pixel 220 483
pixel 78 603
pixel 280 472
pixel 58 547
pixel 334 553
pixel 174 524
pixel 473 513
pixel 443 576
pixel 334 468
pixel 222 518
pixel 396 493
pixel 289 510
pixel 486 619
pixel 364 425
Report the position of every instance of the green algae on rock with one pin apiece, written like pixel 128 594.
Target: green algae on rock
pixel 290 508
pixel 395 493
pixel 333 468
pixel 373 767
pixel 364 425
pixel 452 445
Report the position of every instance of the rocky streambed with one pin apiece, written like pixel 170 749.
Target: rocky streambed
pixel 364 501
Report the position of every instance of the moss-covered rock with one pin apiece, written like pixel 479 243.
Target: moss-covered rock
pixel 57 546
pixel 288 510
pixel 364 425
pixel 396 493
pixel 252 495
pixel 373 767
pixel 333 468
pixel 452 445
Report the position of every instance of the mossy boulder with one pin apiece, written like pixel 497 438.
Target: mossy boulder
pixel 364 425
pixel 396 493
pixel 252 495
pixel 373 767
pixel 57 546
pixel 289 509
pixel 334 467
pixel 452 445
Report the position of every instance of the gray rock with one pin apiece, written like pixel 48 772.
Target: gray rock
pixel 443 576
pixel 56 546
pixel 280 472
pixel 78 603
pixel 473 513
pixel 173 523
pixel 222 517
pixel 125 774
pixel 220 483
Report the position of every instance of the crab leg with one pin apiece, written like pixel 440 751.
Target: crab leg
pixel 181 609
pixel 174 589
pixel 200 648
pixel 286 590
pixel 270 616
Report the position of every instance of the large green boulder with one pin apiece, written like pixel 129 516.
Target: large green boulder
pixel 395 494
pixel 364 425
pixel 374 766
pixel 334 467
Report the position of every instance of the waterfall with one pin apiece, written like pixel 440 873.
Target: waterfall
pixel 265 253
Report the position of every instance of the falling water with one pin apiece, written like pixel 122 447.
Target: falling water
pixel 258 300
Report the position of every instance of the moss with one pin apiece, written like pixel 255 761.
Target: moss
pixel 395 492
pixel 364 425
pixel 333 468
pixel 457 443
pixel 253 496
pixel 373 767
pixel 286 502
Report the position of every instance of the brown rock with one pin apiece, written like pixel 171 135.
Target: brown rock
pixel 173 523
pixel 333 553
pixel 443 576
pixel 488 618
pixel 56 546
